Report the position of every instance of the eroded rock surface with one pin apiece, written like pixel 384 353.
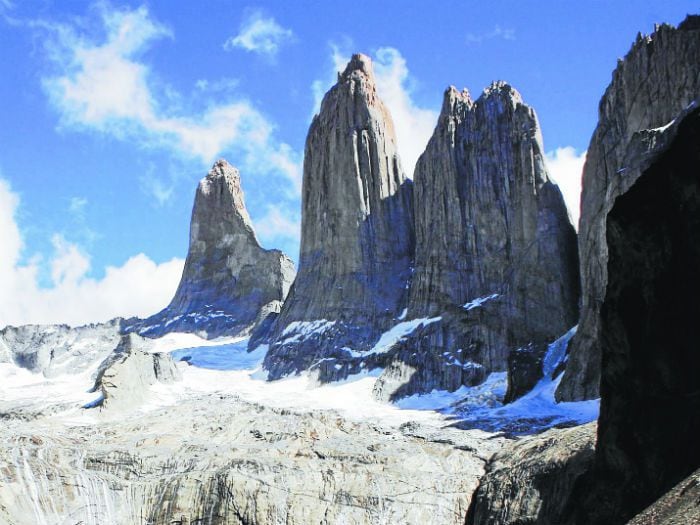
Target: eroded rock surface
pixel 657 80
pixel 529 482
pixel 357 233
pixel 496 256
pixel 680 506
pixel 229 280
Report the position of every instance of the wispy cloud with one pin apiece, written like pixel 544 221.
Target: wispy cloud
pixel 497 32
pixel 414 124
pixel 138 287
pixel 279 225
pixel 565 166
pixel 260 34
pixel 102 84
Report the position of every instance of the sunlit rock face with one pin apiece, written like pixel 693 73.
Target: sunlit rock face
pixel 357 232
pixel 230 283
pixel 496 256
pixel 656 81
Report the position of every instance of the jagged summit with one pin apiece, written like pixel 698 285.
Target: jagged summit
pixel 229 282
pixel 359 65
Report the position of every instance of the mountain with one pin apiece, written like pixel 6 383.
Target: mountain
pixel 656 81
pixel 356 235
pixel 496 256
pixel 229 283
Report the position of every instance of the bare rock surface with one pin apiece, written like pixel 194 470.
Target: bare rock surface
pixel 496 256
pixel 228 279
pixel 657 80
pixel 679 506
pixel 215 459
pixel 357 233
pixel 530 481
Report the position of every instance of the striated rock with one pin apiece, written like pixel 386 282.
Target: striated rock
pixel 124 378
pixel 496 255
pixel 229 279
pixel 530 481
pixel 650 408
pixel 657 79
pixel 218 460
pixel 680 506
pixel 357 237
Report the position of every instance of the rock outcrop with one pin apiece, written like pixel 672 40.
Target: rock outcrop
pixel 124 378
pixel 680 506
pixel 650 403
pixel 357 236
pixel 657 80
pixel 530 481
pixel 496 256
pixel 229 282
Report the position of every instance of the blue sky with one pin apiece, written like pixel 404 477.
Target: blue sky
pixel 111 113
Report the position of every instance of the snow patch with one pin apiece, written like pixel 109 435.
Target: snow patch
pixel 298 330
pixel 394 335
pixel 476 303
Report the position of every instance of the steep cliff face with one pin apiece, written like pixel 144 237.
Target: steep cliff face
pixel 496 255
pixel 658 78
pixel 229 282
pixel 357 238
pixel 650 407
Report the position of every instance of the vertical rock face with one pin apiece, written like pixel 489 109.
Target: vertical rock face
pixel 496 254
pixel 658 78
pixel 229 282
pixel 357 239
pixel 650 403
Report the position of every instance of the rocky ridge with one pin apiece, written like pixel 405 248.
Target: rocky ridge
pixel 230 283
pixel 656 81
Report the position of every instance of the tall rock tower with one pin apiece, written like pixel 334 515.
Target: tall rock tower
pixel 357 237
pixel 229 282
pixel 496 254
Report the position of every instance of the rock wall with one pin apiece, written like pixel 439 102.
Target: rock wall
pixel 650 407
pixel 229 283
pixel 496 256
pixel 657 79
pixel 357 237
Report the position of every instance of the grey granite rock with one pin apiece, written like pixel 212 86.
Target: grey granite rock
pixel 679 506
pixel 496 254
pixel 530 481
pixel 124 377
pixel 229 279
pixel 357 235
pixel 657 80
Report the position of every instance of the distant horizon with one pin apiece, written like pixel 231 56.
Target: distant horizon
pixel 114 111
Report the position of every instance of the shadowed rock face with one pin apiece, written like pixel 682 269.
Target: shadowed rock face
pixel 658 78
pixel 650 388
pixel 356 239
pixel 496 254
pixel 229 282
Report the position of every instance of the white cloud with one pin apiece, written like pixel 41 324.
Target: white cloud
pixel 503 33
pixel 77 205
pixel 260 34
pixel 277 225
pixel 565 167
pixel 413 124
pixel 101 85
pixel 138 287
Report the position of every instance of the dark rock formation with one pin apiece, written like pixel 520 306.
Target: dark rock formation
pixel 524 370
pixel 680 506
pixel 650 384
pixel 658 78
pixel 356 239
pixel 530 481
pixel 496 254
pixel 230 282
